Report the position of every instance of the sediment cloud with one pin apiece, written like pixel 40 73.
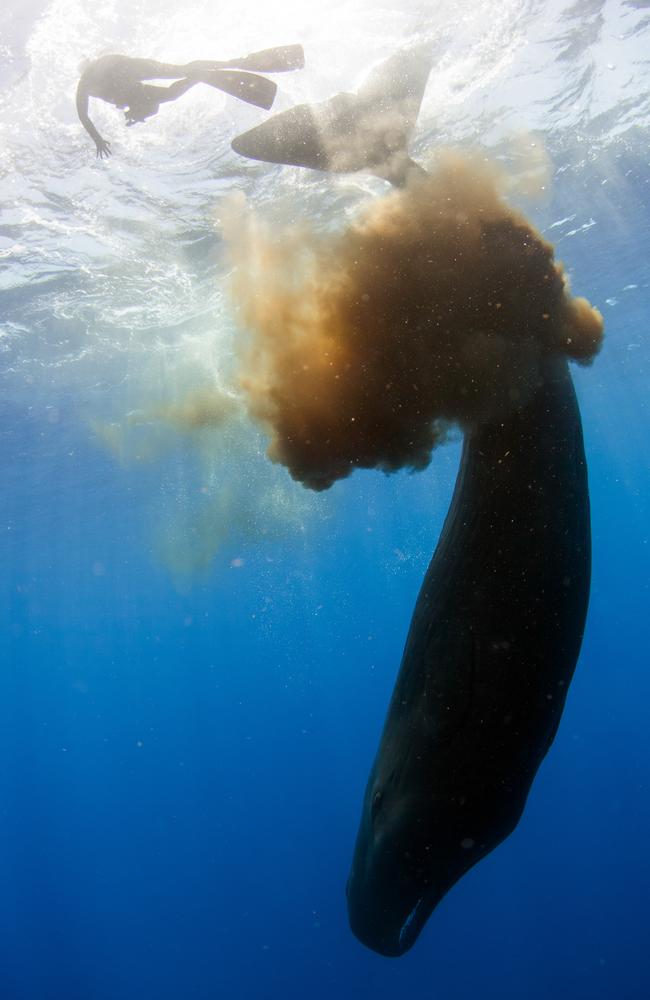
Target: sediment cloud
pixel 435 306
pixel 219 497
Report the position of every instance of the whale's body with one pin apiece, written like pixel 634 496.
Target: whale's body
pixel 490 653
pixel 498 624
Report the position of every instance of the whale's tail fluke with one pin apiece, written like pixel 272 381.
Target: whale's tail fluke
pixel 369 130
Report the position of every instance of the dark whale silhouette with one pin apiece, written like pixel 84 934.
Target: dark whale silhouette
pixel 498 624
pixel 490 653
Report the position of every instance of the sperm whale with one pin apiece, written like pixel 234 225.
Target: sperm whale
pixel 490 653
pixel 498 624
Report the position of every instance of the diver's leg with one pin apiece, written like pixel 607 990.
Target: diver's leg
pixel 247 87
pixel 197 69
pixel 174 90
pixel 150 69
pixel 147 104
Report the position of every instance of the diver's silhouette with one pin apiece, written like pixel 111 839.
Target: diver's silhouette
pixel 118 80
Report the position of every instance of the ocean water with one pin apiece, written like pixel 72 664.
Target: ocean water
pixel 196 653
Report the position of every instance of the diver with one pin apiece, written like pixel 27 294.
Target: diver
pixel 118 80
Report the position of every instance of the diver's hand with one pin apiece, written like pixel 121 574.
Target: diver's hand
pixel 103 148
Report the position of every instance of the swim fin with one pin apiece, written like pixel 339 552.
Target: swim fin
pixel 369 130
pixel 247 87
pixel 280 59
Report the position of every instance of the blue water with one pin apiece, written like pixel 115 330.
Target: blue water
pixel 196 654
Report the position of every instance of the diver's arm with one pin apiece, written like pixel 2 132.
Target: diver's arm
pixel 103 147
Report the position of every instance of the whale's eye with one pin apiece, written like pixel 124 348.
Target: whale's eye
pixel 377 800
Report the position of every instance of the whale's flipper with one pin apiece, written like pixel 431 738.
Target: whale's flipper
pixel 369 130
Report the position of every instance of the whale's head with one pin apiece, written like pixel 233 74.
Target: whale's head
pixel 402 866
pixel 416 838
pixel 417 832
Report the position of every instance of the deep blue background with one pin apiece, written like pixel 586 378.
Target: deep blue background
pixel 181 772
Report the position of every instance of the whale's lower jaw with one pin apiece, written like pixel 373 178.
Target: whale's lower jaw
pixel 390 940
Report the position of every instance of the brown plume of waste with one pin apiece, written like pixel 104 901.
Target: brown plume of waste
pixel 434 307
